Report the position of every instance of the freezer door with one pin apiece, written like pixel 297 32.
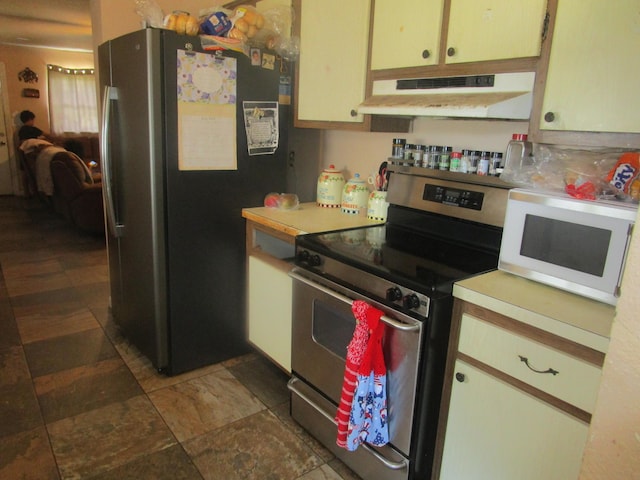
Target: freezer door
pixel 205 228
pixel 131 65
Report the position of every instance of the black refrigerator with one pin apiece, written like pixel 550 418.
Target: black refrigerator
pixel 189 137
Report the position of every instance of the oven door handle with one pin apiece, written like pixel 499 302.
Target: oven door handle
pixel 388 320
pixel 291 385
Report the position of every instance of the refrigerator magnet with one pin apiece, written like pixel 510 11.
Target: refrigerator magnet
pixel 268 61
pixel 256 58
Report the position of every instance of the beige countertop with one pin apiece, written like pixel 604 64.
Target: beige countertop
pixel 576 318
pixel 309 218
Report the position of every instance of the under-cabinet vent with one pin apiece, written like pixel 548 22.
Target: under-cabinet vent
pixel 501 95
pixel 446 82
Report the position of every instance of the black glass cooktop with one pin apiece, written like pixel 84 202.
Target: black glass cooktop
pixel 417 258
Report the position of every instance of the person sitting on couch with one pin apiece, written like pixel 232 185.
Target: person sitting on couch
pixel 28 129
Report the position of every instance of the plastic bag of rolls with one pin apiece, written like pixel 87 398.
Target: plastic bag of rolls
pixel 182 23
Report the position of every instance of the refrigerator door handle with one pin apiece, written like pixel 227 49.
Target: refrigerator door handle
pixel 110 93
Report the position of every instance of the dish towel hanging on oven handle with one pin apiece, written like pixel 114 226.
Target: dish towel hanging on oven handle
pixel 362 413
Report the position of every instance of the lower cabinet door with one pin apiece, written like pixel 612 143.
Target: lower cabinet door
pixel 496 431
pixel 269 311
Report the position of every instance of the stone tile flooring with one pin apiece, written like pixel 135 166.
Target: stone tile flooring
pixel 77 401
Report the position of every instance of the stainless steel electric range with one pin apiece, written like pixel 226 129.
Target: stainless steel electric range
pixel 442 227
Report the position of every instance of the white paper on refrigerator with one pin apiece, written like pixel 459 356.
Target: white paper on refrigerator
pixel 206 111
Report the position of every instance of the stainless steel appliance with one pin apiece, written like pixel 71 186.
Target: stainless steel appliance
pixel 576 245
pixel 175 235
pixel 440 228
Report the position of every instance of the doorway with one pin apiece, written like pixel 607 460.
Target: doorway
pixel 8 167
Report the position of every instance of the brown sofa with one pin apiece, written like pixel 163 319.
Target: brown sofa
pixel 75 191
pixel 88 142
pixel 77 195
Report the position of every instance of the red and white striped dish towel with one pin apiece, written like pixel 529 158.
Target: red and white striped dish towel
pixel 366 317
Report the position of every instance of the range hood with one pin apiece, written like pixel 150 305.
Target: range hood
pixel 499 96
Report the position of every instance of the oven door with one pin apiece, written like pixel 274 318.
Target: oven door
pixel 323 325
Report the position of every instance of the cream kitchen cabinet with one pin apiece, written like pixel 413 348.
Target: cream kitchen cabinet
pixel 332 68
pixel 592 79
pixel 269 289
pixel 494 30
pixel 521 382
pixel 270 292
pixel 497 431
pixel 406 33
pixel 415 33
pixel 270 247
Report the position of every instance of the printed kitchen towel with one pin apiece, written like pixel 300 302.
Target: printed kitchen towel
pixel 355 352
pixel 363 418
pixel 368 418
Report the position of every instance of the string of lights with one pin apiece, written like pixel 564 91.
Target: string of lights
pixel 71 71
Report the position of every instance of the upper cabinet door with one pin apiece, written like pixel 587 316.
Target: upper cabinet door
pixel 482 30
pixel 592 81
pixel 332 70
pixel 406 33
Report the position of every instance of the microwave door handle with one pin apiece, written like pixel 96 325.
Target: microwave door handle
pixel 388 320
pixel 291 385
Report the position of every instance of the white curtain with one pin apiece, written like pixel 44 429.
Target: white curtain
pixel 72 100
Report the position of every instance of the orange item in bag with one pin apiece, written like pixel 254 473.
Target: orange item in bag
pixel 624 176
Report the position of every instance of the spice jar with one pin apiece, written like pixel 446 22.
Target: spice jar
pixel 465 161
pixel 474 159
pixel 408 154
pixel 397 150
pixel 418 154
pixel 454 163
pixel 483 164
pixel 434 157
pixel 494 163
pixel 444 158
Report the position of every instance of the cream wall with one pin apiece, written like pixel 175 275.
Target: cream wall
pixel 18 58
pixel 613 451
pixel 15 59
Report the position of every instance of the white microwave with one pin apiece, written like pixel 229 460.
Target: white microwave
pixel 576 245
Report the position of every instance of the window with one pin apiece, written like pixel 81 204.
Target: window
pixel 72 100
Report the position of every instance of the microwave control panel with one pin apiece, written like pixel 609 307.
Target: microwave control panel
pixel 453 196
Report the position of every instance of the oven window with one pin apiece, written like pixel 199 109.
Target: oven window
pixel 571 245
pixel 332 327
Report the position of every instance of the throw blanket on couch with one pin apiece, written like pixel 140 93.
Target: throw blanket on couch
pixel 47 151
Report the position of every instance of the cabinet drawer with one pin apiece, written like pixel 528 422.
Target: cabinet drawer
pixel 576 382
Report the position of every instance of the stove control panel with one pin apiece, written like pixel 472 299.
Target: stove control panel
pixel 453 196
pixel 396 296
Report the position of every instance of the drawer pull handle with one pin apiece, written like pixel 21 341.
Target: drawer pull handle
pixel 548 370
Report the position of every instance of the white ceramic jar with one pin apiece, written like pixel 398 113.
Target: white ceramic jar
pixel 330 186
pixel 355 196
pixel 377 206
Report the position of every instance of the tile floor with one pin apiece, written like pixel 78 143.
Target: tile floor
pixel 77 401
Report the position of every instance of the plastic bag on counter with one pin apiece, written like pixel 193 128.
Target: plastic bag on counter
pixel 276 34
pixel 580 173
pixel 150 12
pixel 624 177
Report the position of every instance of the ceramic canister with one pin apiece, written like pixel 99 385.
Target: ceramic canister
pixel 377 206
pixel 330 185
pixel 355 196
